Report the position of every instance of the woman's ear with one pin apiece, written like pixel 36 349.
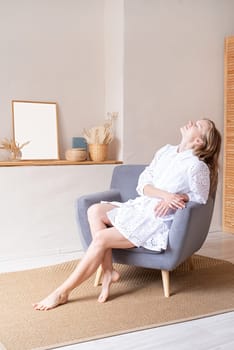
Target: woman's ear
pixel 198 142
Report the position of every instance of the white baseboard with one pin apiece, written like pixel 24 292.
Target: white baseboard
pixel 17 262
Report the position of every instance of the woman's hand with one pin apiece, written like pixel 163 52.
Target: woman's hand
pixel 171 201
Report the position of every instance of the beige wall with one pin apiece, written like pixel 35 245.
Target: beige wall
pixel 53 50
pixel 114 75
pixel 173 69
pixel 37 207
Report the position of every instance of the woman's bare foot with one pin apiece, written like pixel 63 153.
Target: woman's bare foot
pixel 54 299
pixel 108 278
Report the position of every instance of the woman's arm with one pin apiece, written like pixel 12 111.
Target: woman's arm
pixel 147 176
pixel 151 191
pixel 199 182
pixel 169 200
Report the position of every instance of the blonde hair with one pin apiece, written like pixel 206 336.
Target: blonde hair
pixel 209 153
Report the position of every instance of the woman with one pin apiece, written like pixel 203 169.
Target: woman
pixel 176 175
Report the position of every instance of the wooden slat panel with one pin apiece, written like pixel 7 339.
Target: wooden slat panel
pixel 228 176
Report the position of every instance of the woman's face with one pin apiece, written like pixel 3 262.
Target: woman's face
pixel 195 130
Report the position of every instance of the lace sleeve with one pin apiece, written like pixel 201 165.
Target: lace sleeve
pixel 146 177
pixel 199 183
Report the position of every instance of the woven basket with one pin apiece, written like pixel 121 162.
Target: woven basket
pixel 98 152
pixel 76 154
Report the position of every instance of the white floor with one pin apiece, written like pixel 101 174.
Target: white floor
pixel 216 332
pixel 204 334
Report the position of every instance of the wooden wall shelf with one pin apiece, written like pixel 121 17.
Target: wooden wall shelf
pixel 54 162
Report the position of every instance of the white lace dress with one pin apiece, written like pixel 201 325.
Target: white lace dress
pixel 170 171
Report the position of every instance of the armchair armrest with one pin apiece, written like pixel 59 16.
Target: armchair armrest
pixel 82 205
pixel 189 230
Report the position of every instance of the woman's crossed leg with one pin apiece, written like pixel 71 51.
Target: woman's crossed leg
pixel 99 252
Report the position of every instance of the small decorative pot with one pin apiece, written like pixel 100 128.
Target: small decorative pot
pixel 15 155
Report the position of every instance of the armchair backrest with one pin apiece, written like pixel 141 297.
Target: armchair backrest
pixel 125 179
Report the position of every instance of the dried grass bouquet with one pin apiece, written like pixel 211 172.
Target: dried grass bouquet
pixel 102 134
pixel 13 147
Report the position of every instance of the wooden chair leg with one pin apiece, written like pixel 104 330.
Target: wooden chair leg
pixel 98 277
pixel 166 283
pixel 190 262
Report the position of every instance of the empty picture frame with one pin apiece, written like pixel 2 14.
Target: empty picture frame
pixel 37 123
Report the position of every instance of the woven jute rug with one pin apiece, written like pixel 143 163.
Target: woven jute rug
pixel 136 302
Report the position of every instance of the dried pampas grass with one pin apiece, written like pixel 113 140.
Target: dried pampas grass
pixel 12 146
pixel 102 134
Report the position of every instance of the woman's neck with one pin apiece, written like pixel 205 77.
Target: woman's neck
pixel 184 146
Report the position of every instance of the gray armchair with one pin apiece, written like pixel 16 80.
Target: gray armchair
pixel 187 234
